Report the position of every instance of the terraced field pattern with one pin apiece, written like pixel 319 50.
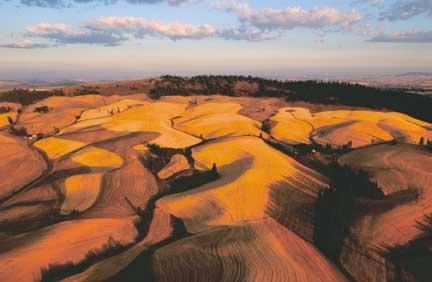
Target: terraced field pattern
pixel 213 188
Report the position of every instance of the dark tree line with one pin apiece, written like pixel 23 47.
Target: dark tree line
pixel 325 92
pixel 86 90
pixel 4 110
pixel 336 207
pixel 56 272
pixel 27 96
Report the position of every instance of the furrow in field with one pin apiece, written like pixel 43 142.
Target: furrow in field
pixel 257 251
pixel 18 163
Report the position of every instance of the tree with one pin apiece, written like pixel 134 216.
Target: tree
pixel 429 145
pixel 266 126
pixel 188 152
pixel 421 143
pixel 214 168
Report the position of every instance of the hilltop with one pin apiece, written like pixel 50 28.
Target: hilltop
pixel 318 92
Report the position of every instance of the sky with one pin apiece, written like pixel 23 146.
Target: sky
pixel 105 39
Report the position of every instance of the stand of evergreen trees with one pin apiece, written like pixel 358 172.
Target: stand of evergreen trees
pixel 324 92
pixel 27 96
pixel 336 207
pixel 86 90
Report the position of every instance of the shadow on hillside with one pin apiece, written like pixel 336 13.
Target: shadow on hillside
pixel 292 207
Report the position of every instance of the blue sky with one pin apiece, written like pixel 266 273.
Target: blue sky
pixel 59 39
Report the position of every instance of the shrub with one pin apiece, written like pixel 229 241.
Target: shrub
pixel 42 109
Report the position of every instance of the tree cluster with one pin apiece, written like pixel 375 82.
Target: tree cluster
pixel 336 207
pixel 27 96
pixel 18 131
pixel 42 109
pixel 4 110
pixel 86 90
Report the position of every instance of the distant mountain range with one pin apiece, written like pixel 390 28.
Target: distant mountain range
pixel 407 74
pixel 10 84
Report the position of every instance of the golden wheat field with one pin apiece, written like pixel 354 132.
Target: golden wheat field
pixel 51 244
pixel 62 111
pixel 243 192
pixel 81 191
pixel 216 120
pixel 177 164
pixel 255 251
pixel 207 188
pixel 4 118
pixel 294 125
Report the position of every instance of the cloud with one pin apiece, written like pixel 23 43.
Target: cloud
pixel 113 31
pixel 26 44
pixel 61 33
pixel 258 25
pixel 290 17
pixel 140 27
pixel 405 9
pixel 367 29
pixel 245 33
pixel 69 3
pixel 411 36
